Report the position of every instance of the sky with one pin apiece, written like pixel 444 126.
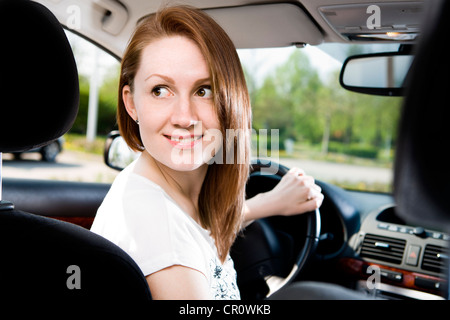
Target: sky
pixel 264 61
pixel 259 61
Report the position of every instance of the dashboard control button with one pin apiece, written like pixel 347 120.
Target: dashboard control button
pixel 413 255
pixel 420 232
pixel 393 228
pixel 386 274
pixel 404 230
pixel 391 275
pixel 436 235
pixel 428 283
pixel 383 226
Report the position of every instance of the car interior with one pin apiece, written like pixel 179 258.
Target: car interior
pixel 358 245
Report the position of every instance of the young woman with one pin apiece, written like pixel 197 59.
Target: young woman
pixel 177 209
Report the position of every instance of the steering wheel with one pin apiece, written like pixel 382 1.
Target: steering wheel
pixel 270 252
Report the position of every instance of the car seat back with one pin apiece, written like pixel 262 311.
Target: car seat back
pixel 42 258
pixel 422 173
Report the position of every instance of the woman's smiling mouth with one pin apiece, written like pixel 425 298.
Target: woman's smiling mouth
pixel 184 142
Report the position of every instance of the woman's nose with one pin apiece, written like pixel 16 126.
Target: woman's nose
pixel 183 114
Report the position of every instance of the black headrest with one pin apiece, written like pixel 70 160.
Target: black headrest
pixel 422 171
pixel 39 91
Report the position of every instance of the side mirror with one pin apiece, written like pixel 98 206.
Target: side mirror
pixel 377 74
pixel 117 154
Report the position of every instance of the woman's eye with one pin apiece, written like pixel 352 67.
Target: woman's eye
pixel 205 92
pixel 161 92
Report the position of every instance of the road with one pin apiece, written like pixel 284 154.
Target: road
pixel 69 165
pixel 79 166
pixel 330 171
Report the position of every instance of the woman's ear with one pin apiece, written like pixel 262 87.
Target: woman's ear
pixel 128 101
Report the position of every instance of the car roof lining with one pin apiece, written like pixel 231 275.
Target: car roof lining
pixel 292 22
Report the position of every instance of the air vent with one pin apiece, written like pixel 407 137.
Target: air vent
pixel 434 258
pixel 383 248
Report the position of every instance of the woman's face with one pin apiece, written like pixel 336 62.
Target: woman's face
pixel 172 99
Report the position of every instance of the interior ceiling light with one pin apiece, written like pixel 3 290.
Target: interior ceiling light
pixel 396 21
pixel 388 36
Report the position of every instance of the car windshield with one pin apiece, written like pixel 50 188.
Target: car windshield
pixel 335 135
pixel 301 117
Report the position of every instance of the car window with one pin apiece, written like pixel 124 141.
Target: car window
pixel 335 135
pixel 301 117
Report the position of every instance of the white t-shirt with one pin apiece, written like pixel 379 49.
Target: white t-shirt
pixel 143 220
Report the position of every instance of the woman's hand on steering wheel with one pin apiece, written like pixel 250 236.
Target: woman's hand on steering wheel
pixel 272 252
pixel 296 193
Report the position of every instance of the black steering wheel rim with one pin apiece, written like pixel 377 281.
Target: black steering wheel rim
pixel 261 231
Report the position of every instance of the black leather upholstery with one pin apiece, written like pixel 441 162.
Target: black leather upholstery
pixel 422 172
pixel 55 198
pixel 37 255
pixel 39 80
pixel 42 258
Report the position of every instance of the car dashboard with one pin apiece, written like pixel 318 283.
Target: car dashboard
pixel 410 261
pixel 366 246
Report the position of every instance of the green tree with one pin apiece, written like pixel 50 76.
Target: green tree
pixel 294 100
pixel 107 107
pixel 287 100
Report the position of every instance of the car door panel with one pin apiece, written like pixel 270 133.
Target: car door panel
pixel 75 202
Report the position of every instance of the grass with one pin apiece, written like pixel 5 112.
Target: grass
pixel 364 186
pixel 78 142
pixel 314 152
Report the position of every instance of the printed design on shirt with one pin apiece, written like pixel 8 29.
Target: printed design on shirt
pixel 223 280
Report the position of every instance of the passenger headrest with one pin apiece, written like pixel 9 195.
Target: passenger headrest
pixel 422 171
pixel 39 91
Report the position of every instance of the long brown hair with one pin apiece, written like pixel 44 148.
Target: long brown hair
pixel 222 196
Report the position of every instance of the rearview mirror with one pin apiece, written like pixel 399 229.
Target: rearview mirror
pixel 117 154
pixel 377 74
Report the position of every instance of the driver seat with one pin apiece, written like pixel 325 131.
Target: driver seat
pixel 422 173
pixel 42 258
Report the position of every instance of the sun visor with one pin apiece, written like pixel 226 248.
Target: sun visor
pixel 248 26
